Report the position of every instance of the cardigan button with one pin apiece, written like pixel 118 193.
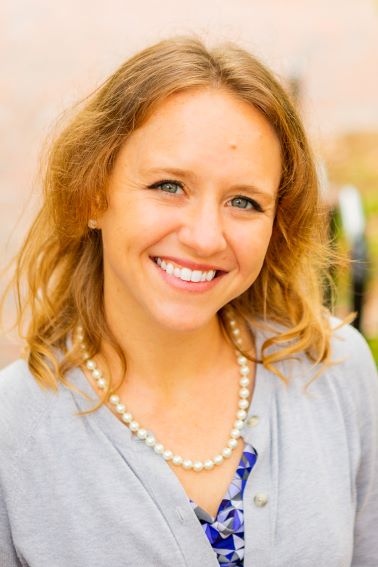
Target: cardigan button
pixel 260 499
pixel 253 420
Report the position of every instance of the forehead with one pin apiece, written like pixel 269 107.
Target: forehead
pixel 205 119
pixel 207 105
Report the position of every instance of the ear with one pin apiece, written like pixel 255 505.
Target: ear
pixel 98 206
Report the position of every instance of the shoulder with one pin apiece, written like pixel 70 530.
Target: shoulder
pixel 18 386
pixel 350 353
pixel 23 402
pixel 344 390
pixel 349 344
pixel 353 368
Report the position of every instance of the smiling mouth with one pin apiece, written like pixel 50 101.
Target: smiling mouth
pixel 186 274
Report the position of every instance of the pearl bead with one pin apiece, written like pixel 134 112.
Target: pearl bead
pixel 244 393
pixel 241 414
pixel 150 441
pixel 141 434
pixel 127 417
pixel 159 448
pixel 218 459
pixel 134 426
pixel 235 433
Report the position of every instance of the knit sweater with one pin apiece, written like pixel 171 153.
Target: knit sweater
pixel 82 491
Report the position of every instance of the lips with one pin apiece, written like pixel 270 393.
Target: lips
pixel 181 282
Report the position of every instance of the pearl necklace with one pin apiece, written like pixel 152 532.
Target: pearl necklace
pixel 149 439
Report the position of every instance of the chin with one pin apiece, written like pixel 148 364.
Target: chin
pixel 184 320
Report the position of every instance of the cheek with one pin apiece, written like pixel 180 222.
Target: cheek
pixel 127 217
pixel 132 225
pixel 252 246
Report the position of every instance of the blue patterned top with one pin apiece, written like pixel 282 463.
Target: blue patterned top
pixel 225 531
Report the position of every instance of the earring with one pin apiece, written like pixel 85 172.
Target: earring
pixel 92 223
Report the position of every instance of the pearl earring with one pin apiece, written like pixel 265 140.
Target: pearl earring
pixel 92 223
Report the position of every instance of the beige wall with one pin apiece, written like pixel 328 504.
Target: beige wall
pixel 55 52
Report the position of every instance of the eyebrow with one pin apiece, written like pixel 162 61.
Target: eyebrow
pixel 186 174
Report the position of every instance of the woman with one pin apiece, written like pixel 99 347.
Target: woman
pixel 185 399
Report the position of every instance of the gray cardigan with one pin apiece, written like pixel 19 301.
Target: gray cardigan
pixel 83 492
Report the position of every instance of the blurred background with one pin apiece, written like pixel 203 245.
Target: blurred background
pixel 327 52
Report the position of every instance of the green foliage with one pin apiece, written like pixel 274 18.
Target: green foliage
pixel 373 343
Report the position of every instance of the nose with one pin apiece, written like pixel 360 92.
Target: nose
pixel 202 229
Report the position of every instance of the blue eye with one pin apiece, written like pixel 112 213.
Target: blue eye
pixel 171 186
pixel 244 202
pixel 168 186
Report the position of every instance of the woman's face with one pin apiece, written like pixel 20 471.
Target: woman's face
pixel 193 189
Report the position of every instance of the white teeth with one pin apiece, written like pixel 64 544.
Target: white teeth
pixel 196 276
pixel 186 274
pixel 169 269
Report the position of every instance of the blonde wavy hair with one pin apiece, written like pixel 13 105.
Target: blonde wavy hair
pixel 58 278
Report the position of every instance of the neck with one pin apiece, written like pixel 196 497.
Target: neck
pixel 165 360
